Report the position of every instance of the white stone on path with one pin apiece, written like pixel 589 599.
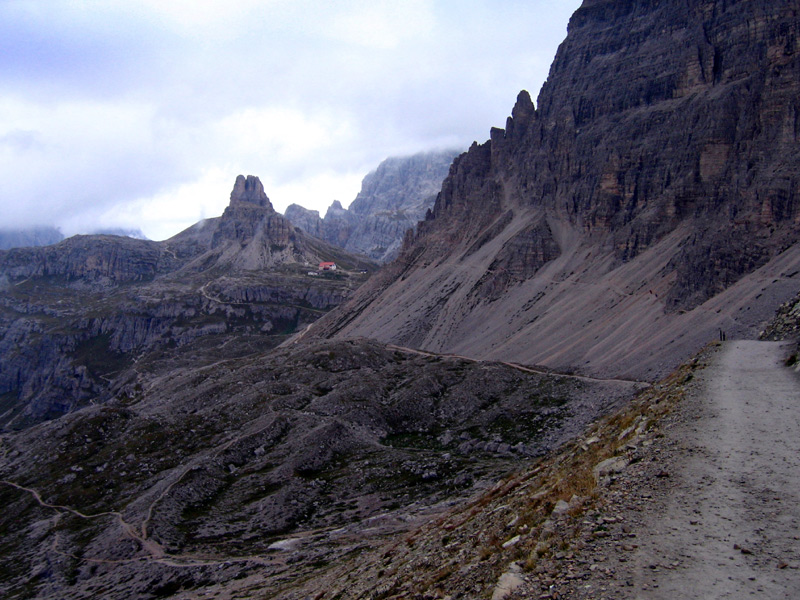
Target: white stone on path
pixel 508 583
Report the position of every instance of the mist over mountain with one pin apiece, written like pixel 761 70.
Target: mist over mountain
pixel 121 231
pixel 392 200
pixel 35 236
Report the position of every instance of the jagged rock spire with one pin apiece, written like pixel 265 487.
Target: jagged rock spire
pixel 249 190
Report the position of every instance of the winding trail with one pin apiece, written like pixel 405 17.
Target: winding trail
pixel 729 524
pixel 60 507
pixel 151 547
pixel 632 382
pixel 155 552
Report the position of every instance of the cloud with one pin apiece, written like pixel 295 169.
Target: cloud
pixel 382 24
pixel 76 154
pixel 165 211
pixel 110 110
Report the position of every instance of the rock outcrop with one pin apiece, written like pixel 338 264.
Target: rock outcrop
pixel 393 198
pixel 87 259
pixel 249 190
pixel 649 199
pixel 338 224
pixel 307 220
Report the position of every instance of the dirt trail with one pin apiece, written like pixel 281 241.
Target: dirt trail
pixel 728 524
pixel 632 382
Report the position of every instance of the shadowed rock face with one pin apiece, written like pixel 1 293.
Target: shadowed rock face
pixel 654 115
pixel 653 187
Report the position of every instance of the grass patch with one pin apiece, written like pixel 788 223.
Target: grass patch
pixel 96 354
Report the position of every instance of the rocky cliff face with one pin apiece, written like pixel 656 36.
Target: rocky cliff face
pixel 393 198
pixel 307 220
pixel 84 259
pixel 654 185
pixel 338 224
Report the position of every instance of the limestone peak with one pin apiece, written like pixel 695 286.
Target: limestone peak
pixel 249 189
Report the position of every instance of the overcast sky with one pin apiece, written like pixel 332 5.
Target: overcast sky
pixel 140 113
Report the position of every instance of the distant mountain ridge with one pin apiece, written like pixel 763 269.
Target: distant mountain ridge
pixel 650 199
pixel 32 236
pixel 46 236
pixel 393 198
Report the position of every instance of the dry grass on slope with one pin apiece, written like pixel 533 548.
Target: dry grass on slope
pixel 521 536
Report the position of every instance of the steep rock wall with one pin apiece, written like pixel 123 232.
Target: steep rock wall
pixel 656 177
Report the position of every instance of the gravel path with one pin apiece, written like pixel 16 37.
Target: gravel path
pixel 732 520
pixel 714 510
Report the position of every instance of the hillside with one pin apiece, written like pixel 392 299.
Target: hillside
pixel 644 504
pixel 646 202
pixel 261 468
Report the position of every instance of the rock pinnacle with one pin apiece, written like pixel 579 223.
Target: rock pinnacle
pixel 249 190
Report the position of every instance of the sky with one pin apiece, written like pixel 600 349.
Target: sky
pixel 140 114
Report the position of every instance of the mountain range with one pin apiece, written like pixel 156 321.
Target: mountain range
pixel 204 417
pixel 78 317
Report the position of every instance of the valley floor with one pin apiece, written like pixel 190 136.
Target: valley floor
pixel 714 510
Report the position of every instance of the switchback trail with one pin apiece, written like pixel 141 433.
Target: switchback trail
pixel 721 516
